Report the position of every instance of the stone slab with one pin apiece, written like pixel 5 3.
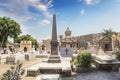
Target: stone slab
pixel 111 66
pixel 19 57
pixel 29 57
pixel 33 70
pixel 106 62
pixel 48 77
pixel 42 56
pixel 66 52
pixel 105 58
pixel 54 59
pixel 10 60
pixel 55 68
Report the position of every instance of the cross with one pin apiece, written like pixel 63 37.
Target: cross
pixel 66 50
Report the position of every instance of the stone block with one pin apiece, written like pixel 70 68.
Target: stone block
pixel 49 77
pixel 29 57
pixel 54 59
pixel 50 70
pixel 10 60
pixel 66 52
pixel 42 56
pixel 107 66
pixel 66 71
pixel 33 70
pixel 81 69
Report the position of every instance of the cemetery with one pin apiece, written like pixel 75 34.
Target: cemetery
pixel 65 61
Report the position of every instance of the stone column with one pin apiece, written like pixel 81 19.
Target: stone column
pixel 54 57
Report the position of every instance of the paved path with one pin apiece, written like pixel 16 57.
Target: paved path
pixel 96 75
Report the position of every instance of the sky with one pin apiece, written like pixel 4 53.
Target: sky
pixel 81 16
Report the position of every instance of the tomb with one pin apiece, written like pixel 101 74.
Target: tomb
pixel 54 64
pixel 106 62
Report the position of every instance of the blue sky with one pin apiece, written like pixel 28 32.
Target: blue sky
pixel 81 16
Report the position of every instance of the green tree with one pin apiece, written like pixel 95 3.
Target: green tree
pixel 27 37
pixel 14 73
pixel 8 28
pixel 108 32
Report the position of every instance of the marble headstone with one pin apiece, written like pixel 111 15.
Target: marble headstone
pixel 66 52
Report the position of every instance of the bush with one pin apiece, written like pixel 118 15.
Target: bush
pixel 83 59
pixel 117 55
pixel 14 73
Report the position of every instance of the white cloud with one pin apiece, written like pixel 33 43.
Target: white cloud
pixel 20 9
pixel 91 2
pixel 43 7
pixel 82 12
pixel 45 22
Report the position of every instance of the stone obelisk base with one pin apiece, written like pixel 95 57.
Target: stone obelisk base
pixel 54 59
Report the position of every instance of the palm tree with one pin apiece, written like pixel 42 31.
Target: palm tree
pixel 108 32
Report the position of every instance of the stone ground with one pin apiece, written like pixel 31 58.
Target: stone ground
pixel 93 75
pixel 4 67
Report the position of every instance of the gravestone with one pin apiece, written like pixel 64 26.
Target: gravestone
pixel 66 52
pixel 10 60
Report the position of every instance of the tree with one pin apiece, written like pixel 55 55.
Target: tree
pixel 14 73
pixel 8 28
pixel 27 37
pixel 108 32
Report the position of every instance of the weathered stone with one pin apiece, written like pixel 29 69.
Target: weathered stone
pixel 54 57
pixel 66 52
pixel 10 60
pixel 48 77
pixel 33 70
pixel 42 56
pixel 29 57
pixel 66 71
pixel 81 69
pixel 109 66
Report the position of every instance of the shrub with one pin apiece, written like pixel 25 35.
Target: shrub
pixel 83 59
pixel 117 55
pixel 14 73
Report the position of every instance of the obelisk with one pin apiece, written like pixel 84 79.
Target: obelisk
pixel 54 56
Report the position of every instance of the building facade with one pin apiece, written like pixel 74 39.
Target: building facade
pixel 26 45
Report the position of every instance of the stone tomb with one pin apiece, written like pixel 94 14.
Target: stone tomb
pixel 51 68
pixel 106 62
pixel 66 52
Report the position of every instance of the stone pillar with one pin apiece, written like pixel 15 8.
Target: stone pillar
pixel 54 57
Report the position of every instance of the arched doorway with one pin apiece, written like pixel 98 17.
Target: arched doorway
pixel 25 49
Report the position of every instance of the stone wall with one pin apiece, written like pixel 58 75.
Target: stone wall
pixel 93 39
pixel 46 43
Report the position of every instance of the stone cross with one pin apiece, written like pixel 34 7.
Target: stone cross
pixel 66 50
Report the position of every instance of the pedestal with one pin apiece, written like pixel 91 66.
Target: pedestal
pixel 54 59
